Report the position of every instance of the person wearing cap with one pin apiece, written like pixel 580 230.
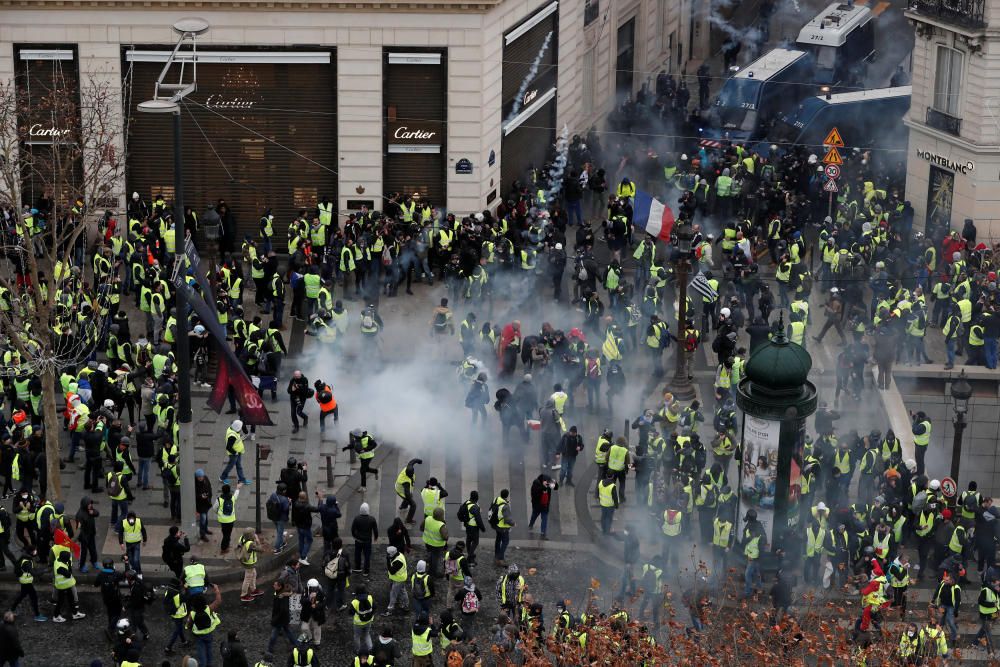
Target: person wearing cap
pixel 947 599
pixel 396 570
pixel 235 449
pixel 421 589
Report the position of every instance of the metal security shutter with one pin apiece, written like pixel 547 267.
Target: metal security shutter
pixel 527 147
pixel 260 132
pixel 415 95
pixel 47 83
pixel 520 54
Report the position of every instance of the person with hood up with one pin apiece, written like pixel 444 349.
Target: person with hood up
pixel 329 512
pixel 86 523
pixel 364 530
pixel 477 398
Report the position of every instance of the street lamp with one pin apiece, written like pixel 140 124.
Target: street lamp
pixel 262 453
pixel 680 385
pixel 188 29
pixel 961 392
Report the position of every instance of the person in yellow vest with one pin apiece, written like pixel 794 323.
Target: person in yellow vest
pixel 131 536
pixel 397 571
pixel 225 506
pixel 754 543
pixel 989 605
pixel 619 462
pixel 363 613
pixel 422 641
pixel 404 489
pixel 435 538
pixel 607 492
pixel 65 584
pixel 202 621
pixel 921 429
pixel 248 550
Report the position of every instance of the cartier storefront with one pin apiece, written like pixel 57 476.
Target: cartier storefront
pixel 260 132
pixel 415 123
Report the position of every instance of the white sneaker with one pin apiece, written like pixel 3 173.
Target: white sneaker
pixel 78 615
pixel 303 561
pixel 58 619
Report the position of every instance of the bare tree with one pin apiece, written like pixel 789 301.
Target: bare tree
pixel 65 142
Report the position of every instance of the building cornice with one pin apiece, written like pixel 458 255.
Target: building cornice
pixel 965 144
pixel 451 6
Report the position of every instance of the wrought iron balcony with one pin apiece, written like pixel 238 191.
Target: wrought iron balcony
pixel 939 120
pixel 967 13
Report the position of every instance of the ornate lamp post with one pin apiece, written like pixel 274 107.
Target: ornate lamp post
pixel 961 392
pixel 680 385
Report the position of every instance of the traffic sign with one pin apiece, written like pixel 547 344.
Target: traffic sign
pixel 834 139
pixel 833 157
pixel 830 186
pixel 948 487
pixel 832 171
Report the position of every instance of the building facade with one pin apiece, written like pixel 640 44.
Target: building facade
pixel 953 159
pixel 446 101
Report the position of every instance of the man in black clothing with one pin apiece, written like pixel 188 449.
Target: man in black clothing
pixel 175 545
pixel 294 476
pixel 109 582
pixel 138 597
pixel 93 446
pixel 364 530
pixel 299 392
pixel 233 653
pixel 471 516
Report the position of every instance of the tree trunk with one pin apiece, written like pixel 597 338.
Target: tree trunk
pixel 50 418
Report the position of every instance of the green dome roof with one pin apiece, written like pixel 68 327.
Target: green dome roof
pixel 779 365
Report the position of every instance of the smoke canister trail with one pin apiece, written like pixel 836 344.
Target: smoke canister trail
pixel 529 77
pixel 558 165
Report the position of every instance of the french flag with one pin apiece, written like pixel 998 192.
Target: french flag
pixel 652 216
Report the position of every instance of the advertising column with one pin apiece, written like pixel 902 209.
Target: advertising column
pixel 528 91
pixel 415 115
pixel 260 133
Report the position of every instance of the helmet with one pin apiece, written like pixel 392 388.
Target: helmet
pixel 935 485
pixel 312 583
pixel 513 569
pixel 751 515
pixel 725 312
pixel 199 329
pixel 291 462
pixel 123 625
pixel 356 432
pixel 237 425
pixel 108 564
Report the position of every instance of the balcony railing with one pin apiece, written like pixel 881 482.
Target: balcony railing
pixel 939 120
pixel 968 13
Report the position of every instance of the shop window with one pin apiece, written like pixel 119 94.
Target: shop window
pixel 948 80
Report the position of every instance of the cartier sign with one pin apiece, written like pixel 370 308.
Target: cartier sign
pixel 408 133
pixel 229 103
pixel 39 130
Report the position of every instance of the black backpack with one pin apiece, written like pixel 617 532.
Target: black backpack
pixel 494 515
pixel 463 513
pixel 273 507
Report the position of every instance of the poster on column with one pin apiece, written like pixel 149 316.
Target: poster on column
pixel 760 463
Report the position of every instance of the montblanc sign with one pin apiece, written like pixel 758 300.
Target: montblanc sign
pixel 960 167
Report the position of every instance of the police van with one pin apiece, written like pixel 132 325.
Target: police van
pixel 865 119
pixel 842 39
pixel 748 101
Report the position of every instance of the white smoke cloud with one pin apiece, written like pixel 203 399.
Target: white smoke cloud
pixel 529 77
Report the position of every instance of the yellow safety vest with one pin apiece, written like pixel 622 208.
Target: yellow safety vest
pixel 432 500
pixel 132 533
pixel 672 527
pixel 432 532
pixel 605 491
